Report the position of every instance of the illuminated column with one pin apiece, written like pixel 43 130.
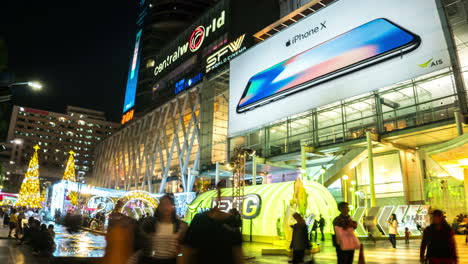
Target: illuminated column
pixel 322 174
pixel 458 122
pixel 254 170
pixel 370 162
pixel 345 187
pixel 217 174
pixel 303 162
pixel 353 193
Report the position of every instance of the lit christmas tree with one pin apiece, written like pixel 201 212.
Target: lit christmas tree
pixel 69 175
pixel 30 193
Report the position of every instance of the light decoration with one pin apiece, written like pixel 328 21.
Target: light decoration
pixel 58 192
pixel 69 175
pixel 145 202
pixel 30 193
pixel 314 199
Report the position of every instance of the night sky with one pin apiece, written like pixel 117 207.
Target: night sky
pixel 79 50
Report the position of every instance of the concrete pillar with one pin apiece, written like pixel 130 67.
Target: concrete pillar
pixel 370 164
pixel 217 174
pixel 458 122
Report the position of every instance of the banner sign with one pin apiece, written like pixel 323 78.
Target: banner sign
pixel 348 48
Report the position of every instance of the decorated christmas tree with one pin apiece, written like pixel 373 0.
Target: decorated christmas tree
pixel 69 175
pixel 30 193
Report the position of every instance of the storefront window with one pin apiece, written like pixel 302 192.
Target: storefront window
pixel 330 126
pixel 278 139
pixel 388 177
pixel 360 117
pixel 300 128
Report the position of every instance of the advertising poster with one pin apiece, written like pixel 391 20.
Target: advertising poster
pixel 346 49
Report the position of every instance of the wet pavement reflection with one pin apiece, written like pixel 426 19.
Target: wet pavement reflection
pixel 79 244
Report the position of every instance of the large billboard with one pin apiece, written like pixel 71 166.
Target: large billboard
pixel 132 79
pixel 348 48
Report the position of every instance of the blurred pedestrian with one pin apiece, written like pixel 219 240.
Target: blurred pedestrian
pixel 439 241
pixel 51 231
pixel 313 233
pixel 344 244
pixel 322 227
pixel 211 240
pixel 165 233
pixel 13 223
pixel 392 229
pixel 369 223
pixel 45 242
pixel 119 237
pixel 6 218
pixel 300 240
pixel 236 219
pixel 407 235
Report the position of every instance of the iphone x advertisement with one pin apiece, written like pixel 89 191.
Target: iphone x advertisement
pixel 333 55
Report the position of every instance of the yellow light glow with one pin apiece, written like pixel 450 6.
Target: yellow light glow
pixel 345 177
pixel 463 162
pixel 30 193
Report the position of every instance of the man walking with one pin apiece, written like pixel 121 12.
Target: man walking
pixel 322 226
pixel 345 222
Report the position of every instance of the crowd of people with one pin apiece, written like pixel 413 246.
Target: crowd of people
pixel 215 236
pixel 27 227
pixel 212 237
pixel 437 245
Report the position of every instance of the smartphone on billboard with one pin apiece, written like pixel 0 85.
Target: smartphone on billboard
pixel 371 43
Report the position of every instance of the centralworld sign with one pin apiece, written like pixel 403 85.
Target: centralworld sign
pixel 194 42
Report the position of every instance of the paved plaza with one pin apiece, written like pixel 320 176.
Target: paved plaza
pixel 381 253
pixel 85 245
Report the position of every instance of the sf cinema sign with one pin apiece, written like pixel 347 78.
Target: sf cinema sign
pixel 193 44
pixel 251 205
pixel 218 58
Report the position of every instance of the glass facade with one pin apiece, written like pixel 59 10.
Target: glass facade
pixel 423 100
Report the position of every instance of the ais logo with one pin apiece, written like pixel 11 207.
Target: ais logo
pixel 431 63
pixel 251 205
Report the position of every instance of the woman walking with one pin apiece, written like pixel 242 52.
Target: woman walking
pixel 392 229
pixel 165 233
pixel 439 241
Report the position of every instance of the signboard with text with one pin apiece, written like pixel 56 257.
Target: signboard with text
pixel 347 49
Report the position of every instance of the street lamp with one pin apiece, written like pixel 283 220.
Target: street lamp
pixel 33 85
pixel 5 90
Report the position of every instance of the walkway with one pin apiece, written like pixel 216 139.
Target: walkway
pixel 381 253
pixel 84 245
pixel 10 253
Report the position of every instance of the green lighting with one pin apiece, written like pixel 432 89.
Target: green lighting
pixel 276 203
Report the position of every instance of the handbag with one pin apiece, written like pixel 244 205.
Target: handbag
pixel 346 238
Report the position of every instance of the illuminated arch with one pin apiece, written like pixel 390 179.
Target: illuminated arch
pixel 275 200
pixel 148 203
pixel 101 204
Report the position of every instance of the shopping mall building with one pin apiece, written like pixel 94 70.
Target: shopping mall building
pixel 366 98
